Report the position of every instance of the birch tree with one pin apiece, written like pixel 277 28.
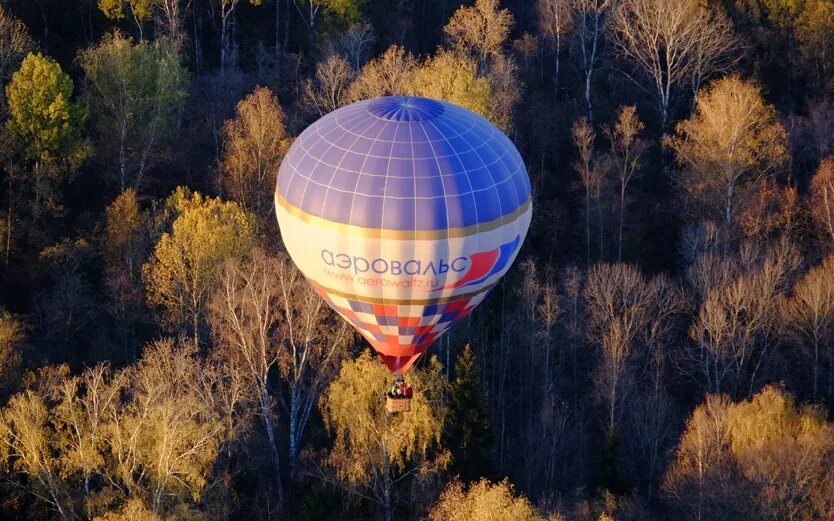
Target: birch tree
pixel 185 265
pixel 373 451
pixel 591 18
pixel 734 138
pixel 135 92
pixel 555 21
pixel 672 45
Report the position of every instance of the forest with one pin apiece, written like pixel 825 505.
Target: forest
pixel 662 348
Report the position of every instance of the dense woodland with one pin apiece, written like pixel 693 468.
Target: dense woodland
pixel 662 349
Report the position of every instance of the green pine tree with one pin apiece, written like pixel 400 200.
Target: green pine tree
pixel 467 431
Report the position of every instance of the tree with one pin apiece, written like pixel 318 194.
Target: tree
pixel 555 20
pixel 590 18
pixel 385 75
pixel 479 31
pixel 822 197
pixel 671 45
pixel 814 30
pixel 329 89
pixel 590 176
pixel 269 321
pixel 357 44
pixel 764 458
pixel 811 313
pixel 372 450
pixel 32 452
pixel 254 143
pixel 733 138
pixel 454 78
pixel 82 413
pixel 46 126
pixel 226 12
pixel 126 245
pixel 132 510
pixel 12 335
pixel 15 43
pixel 140 10
pixel 618 301
pixel 309 11
pixel 185 264
pixel 467 433
pixel 739 320
pixel 483 501
pixel 167 438
pixel 134 92
pixel 627 149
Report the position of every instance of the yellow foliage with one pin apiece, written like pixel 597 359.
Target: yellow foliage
pixel 483 501
pixel 767 449
pixel 254 144
pixel 734 135
pixel 480 30
pixel 385 75
pixel 452 77
pixel 133 510
pixel 368 440
pixel 184 266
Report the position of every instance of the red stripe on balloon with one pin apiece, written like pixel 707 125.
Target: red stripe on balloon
pixel 481 264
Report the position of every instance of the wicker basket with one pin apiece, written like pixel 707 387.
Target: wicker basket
pixel 395 405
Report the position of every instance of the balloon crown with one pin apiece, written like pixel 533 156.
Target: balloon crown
pixel 405 108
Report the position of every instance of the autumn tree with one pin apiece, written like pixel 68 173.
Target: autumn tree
pixel 329 89
pixel 672 45
pixel 15 43
pixel 766 457
pixel 479 31
pixel 46 128
pixel 311 10
pixel 483 501
pixel 167 15
pixel 226 12
pixel 12 336
pixel 591 18
pixel 184 268
pixel 618 301
pixel 814 30
pixel 141 11
pixel 374 451
pixel 452 77
pixel 169 437
pixel 590 175
pixel 254 144
pixel 386 75
pixel 132 510
pixel 126 245
pixel 822 198
pixel 31 452
pixel 357 44
pixel 739 321
pixel 627 150
pixel 467 433
pixel 734 138
pixel 134 92
pixel 102 440
pixel 270 322
pixel 811 316
pixel 555 21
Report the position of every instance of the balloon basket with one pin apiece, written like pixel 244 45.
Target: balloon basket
pixel 398 404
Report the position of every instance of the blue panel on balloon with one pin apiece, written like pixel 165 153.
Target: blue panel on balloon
pixel 440 165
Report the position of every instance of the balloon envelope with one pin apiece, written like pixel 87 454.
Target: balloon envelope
pixel 403 213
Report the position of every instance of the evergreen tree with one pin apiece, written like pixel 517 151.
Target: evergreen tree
pixel 468 433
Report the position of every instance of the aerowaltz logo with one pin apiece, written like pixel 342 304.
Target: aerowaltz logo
pixel 485 264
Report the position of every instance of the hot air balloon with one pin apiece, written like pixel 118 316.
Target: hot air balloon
pixel 403 213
